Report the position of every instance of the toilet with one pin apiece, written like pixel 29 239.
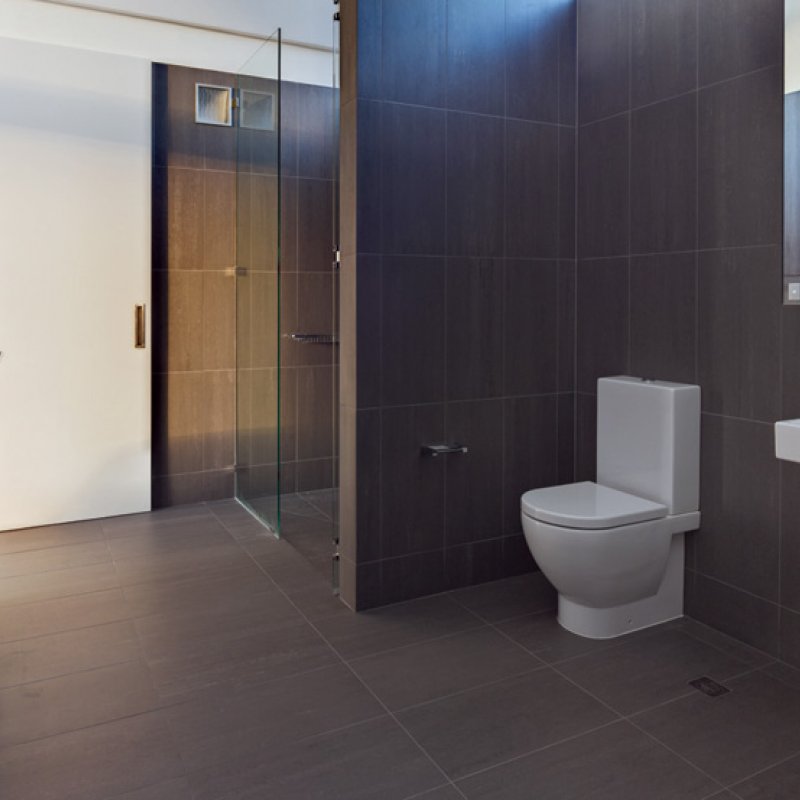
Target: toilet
pixel 614 550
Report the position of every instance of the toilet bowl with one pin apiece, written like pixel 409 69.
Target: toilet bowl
pixel 614 549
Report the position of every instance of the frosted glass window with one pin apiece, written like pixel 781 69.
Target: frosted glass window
pixel 213 105
pixel 257 110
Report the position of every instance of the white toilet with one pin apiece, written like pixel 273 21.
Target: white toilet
pixel 614 549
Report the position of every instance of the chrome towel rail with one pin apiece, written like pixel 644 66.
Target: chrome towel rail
pixel 442 449
pixel 313 338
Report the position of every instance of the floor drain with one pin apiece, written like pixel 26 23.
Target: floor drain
pixel 709 687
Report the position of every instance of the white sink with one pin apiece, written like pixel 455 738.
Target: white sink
pixel 787 439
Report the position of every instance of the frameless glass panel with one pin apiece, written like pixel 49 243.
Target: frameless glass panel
pixel 258 423
pixel 335 245
pixel 309 305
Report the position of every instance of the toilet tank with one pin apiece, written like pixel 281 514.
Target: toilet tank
pixel 648 440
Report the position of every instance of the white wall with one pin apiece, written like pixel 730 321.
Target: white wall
pixel 62 24
pixel 792 47
pixel 307 21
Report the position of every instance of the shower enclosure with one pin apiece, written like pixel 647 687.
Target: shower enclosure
pixel 286 300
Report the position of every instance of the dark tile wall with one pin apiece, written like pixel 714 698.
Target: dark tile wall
pixel 458 285
pixel 195 242
pixel 680 127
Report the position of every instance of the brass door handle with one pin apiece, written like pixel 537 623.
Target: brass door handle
pixel 140 327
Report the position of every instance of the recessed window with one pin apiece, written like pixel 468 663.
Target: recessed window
pixel 257 110
pixel 213 105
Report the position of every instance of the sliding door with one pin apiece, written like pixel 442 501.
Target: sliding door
pixel 74 265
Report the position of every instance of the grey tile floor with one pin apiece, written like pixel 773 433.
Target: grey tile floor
pixel 186 654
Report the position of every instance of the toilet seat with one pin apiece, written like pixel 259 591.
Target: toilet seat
pixel 588 506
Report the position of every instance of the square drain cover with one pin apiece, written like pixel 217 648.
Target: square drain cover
pixel 709 687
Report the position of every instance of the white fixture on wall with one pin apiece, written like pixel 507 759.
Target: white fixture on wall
pixel 787 440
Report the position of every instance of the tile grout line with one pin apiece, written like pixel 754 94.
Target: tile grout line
pixel 41 573
pixel 731 787
pixel 652 737
pixel 542 749
pixel 484 685
pixel 357 659
pixel 123 718
pixel 626 719
pixel 697 89
pixel 163 702
pixel 420 795
pixel 689 693
pixel 644 632
pixel 629 198
pixel 138 660
pixel 696 319
pixel 392 716
pixel 340 728
pixel 538 259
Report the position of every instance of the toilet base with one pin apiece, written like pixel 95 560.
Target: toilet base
pixel 608 623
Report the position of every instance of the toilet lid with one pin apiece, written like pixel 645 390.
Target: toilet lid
pixel 588 505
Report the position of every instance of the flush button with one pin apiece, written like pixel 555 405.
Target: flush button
pixel 793 291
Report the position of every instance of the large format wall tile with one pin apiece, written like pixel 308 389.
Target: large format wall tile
pixel 177 141
pixel 790 345
pixel 737 613
pixel 586 437
pixel 184 218
pixel 663 317
pixel 368 480
pixel 567 171
pixel 363 80
pixel 178 428
pixel 413 180
pixel 536 57
pixel 315 109
pixel 412 330
pixel 603 58
pixel 566 326
pixel 664 176
pixel 532 160
pixel 663 49
pixel 738 542
pixel 219 221
pixel 602 320
pixel 739 332
pixel 412 486
pixel 738 36
pixel 368 332
pixel 603 188
pixel 314 225
pixel 474 328
pixel 740 161
pixel 530 453
pixel 531 327
pixel 414 53
pixel 474 492
pixel 790 637
pixel 790 535
pixel 476 211
pixel 476 64
pixel 368 179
